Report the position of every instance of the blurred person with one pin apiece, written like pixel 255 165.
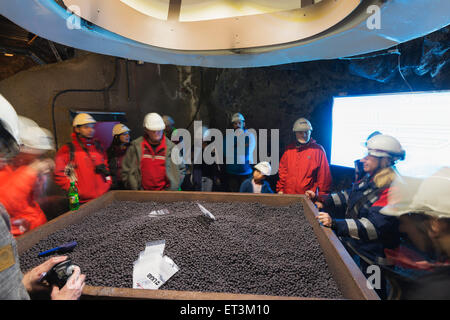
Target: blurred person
pixel 238 161
pixel 83 161
pixel 170 128
pixel 304 165
pixel 116 153
pixel 23 179
pixel 257 183
pixel 354 214
pixel 14 285
pixel 147 164
pixel 203 177
pixel 419 267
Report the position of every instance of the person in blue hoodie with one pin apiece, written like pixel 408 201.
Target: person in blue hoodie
pixel 257 183
pixel 239 145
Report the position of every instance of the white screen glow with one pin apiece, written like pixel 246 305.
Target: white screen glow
pixel 420 121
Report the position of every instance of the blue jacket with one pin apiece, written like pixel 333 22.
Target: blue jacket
pixel 247 186
pixel 237 161
pixel 358 222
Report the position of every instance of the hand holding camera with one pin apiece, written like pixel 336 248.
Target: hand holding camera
pixel 56 271
pixel 59 273
pixel 67 280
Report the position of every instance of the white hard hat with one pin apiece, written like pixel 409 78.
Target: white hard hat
pixel 9 118
pixel 82 119
pixel 119 129
pixel 237 117
pixel 36 138
pixel 154 122
pixel 302 124
pixel 383 145
pixel 431 197
pixel 25 123
pixel 264 167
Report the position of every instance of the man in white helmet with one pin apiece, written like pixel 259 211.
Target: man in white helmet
pixel 24 186
pixel 14 285
pixel 304 164
pixel 354 214
pixel 84 161
pixel 238 151
pixel 116 152
pixel 148 164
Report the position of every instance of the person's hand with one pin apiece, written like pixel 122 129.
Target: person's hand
pixel 22 225
pixel 31 279
pixel 280 192
pixel 310 194
pixel 42 166
pixel 73 287
pixel 325 219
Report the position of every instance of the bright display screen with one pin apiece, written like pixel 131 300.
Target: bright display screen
pixel 420 121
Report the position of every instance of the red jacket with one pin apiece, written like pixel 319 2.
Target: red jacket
pixel 90 184
pixel 304 168
pixel 17 196
pixel 153 165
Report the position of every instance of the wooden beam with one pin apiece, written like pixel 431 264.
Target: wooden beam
pixel 174 10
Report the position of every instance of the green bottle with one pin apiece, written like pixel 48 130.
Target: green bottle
pixel 74 201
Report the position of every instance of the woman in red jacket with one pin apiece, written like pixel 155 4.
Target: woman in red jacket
pixel 83 161
pixel 304 165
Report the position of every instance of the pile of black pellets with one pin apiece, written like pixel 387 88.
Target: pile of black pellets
pixel 250 248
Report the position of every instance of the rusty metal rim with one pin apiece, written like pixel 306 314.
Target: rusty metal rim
pixel 342 264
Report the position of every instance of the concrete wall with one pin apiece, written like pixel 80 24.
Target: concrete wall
pixel 135 89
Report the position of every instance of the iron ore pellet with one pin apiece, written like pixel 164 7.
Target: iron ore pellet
pixel 250 248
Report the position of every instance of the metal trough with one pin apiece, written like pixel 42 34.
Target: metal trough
pixel 345 272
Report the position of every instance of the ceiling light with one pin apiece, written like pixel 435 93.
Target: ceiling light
pixel 158 9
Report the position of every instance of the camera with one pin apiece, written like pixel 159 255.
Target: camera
pixel 101 169
pixel 59 274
